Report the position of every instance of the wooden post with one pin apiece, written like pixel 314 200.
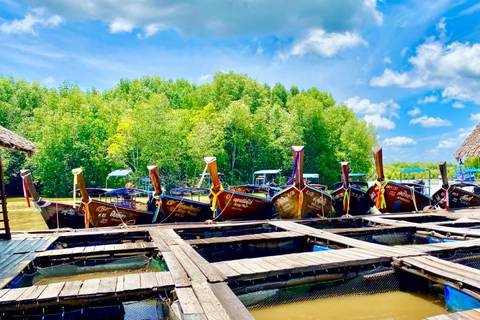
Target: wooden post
pixel 3 196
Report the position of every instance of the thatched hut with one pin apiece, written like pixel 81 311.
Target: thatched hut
pixel 471 146
pixel 10 140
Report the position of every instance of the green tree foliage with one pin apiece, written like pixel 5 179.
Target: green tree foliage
pixel 248 126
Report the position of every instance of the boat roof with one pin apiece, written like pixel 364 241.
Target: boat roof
pixel 311 175
pixel 414 170
pixel 144 179
pixel 272 171
pixel 125 191
pixel 356 174
pixel 472 170
pixel 119 173
pixel 193 190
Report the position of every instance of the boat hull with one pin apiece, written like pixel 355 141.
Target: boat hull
pixel 360 202
pixel 233 205
pixel 315 203
pixel 59 215
pixel 103 214
pixel 457 198
pixel 399 198
pixel 177 209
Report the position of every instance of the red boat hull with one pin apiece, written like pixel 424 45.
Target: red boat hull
pixel 182 210
pixel 315 203
pixel 233 205
pixel 399 198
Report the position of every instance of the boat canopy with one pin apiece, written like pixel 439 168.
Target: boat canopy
pixel 359 175
pixel 120 173
pixel 260 176
pixel 275 171
pixel 311 176
pixel 122 192
pixel 413 170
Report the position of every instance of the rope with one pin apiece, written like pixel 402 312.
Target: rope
pixel 381 203
pixel 25 192
pixel 203 175
pixel 413 197
pixel 226 205
pixel 214 200
pixel 165 219
pixel 124 224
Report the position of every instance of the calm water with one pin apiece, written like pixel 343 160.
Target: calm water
pixel 384 306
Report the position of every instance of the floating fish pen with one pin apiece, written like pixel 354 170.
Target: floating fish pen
pixel 223 270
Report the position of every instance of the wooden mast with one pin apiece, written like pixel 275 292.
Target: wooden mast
pixel 25 174
pixel 443 171
pixel 212 168
pixel 153 170
pixel 377 155
pixel 81 184
pixel 345 171
pixel 298 152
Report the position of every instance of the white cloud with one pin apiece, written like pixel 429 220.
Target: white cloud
pixel 475 117
pixel 319 42
pixel 224 18
pixel 431 122
pixel 30 22
pixel 387 60
pixel 446 144
pixel 404 51
pixel 364 106
pixel 259 49
pixel 48 82
pixel 414 112
pixel 441 29
pixel 399 141
pixel 453 67
pixel 205 78
pixel 428 99
pixel 151 30
pixel 359 81
pixel 120 25
pixel 458 105
pixel 472 9
pixel 379 122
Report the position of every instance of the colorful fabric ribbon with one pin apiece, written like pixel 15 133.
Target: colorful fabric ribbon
pixel 381 204
pixel 87 213
pixel 346 200
pixel 25 192
pixel 300 201
pixel 214 200
pixel 159 204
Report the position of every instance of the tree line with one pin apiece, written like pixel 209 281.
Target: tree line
pixel 173 124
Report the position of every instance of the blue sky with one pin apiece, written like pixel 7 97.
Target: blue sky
pixel 412 68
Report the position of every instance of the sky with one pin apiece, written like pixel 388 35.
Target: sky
pixel 411 68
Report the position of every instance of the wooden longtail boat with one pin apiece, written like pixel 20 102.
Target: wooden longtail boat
pixel 236 205
pixel 393 197
pixel 177 209
pixel 56 215
pixel 104 214
pixel 350 200
pixel 301 200
pixel 457 197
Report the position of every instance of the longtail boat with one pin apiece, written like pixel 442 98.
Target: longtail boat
pixel 104 214
pixel 301 200
pixel 393 197
pixel 453 196
pixel 177 209
pixel 350 200
pixel 233 204
pixel 55 215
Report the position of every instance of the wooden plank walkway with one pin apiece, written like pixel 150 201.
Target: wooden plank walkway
pixel 249 237
pixel 108 288
pixel 95 250
pixel 473 314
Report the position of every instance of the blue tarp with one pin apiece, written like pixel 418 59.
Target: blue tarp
pixel 356 174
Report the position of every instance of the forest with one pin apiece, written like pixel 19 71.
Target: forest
pixel 173 124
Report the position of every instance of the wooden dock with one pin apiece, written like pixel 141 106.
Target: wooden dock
pixel 203 288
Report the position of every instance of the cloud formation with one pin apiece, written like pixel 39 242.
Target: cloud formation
pixel 414 112
pixel 428 99
pixel 399 141
pixel 428 122
pixel 379 122
pixel 224 18
pixel 475 117
pixel 34 19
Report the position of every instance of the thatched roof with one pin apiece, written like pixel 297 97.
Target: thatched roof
pixel 471 146
pixel 10 140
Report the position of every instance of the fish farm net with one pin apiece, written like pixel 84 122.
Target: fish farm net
pixel 378 280
pixel 467 259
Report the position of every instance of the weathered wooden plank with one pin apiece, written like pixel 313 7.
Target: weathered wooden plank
pixel 207 269
pixel 164 279
pixel 132 281
pixel 78 250
pixel 52 291
pixel 32 293
pixel 129 246
pixel 197 316
pixel 226 270
pixel 107 285
pixel 240 268
pixel 12 294
pixel 188 301
pixel 89 287
pixel 70 289
pixel 233 306
pixel 120 284
pixel 188 265
pixel 280 264
pixel 212 307
pixel 89 249
pixel 252 265
pixel 159 242
pixel 176 270
pixel 148 280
